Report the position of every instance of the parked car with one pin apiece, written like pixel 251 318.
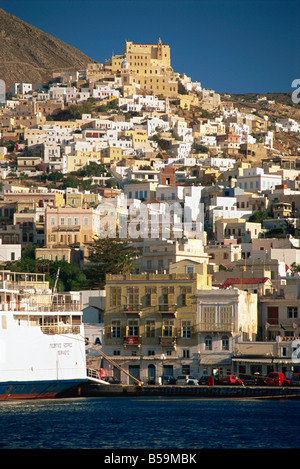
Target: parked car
pixel 231 379
pixel 295 380
pixel 192 382
pixel 207 380
pixel 253 380
pixel 168 380
pixel 203 380
pixel 184 379
pixel 276 378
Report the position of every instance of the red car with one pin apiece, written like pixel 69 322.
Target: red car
pixel 275 378
pixel 231 379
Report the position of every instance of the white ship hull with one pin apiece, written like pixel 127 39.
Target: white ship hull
pixel 42 349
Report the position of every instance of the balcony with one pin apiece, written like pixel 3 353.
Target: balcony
pixel 65 228
pixel 168 341
pixel 215 327
pixel 133 309
pixel 168 308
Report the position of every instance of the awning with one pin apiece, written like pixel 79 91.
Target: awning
pixel 213 359
pixel 254 360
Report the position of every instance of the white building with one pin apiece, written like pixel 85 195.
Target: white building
pixel 223 164
pixel 288 125
pixel 10 252
pixel 224 318
pixel 21 88
pixel 255 180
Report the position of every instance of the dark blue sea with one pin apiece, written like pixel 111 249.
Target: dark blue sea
pixel 151 423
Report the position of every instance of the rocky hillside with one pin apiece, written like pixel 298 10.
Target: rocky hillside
pixel 27 54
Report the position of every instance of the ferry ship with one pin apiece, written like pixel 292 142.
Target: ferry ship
pixel 42 346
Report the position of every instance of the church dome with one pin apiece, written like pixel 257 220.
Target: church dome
pixel 125 64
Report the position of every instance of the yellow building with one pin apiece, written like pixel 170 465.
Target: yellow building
pixel 77 199
pixel 40 195
pixel 147 67
pixel 139 138
pixel 81 159
pixel 55 253
pixel 111 155
pixel 152 317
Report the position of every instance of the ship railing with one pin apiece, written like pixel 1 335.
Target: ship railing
pixel 92 373
pixel 54 307
pixel 59 329
pixel 32 307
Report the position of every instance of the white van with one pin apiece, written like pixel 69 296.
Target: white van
pixel 184 379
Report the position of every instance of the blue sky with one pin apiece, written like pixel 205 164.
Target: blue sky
pixel 233 46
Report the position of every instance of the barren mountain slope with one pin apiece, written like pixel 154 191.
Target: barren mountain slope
pixel 27 54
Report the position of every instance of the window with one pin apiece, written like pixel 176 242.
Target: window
pixel 186 296
pixel 186 353
pixel 62 220
pixel 76 221
pixel 168 298
pixel 150 296
pixel 225 315
pixel 225 343
pixel 52 221
pixel 208 343
pixel 85 221
pixel 186 329
pixel 133 298
pixel 150 328
pixel 115 296
pixel 292 312
pixel 186 370
pixel 272 315
pixel 116 329
pixel 133 328
pixel 209 314
pixel 168 325
pixel 189 269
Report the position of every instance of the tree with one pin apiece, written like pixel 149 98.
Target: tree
pixel 259 216
pixel 70 275
pixel 108 256
pixel 295 268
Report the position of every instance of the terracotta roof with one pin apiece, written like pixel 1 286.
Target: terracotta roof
pixel 245 281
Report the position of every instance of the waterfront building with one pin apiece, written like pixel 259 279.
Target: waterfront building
pixel 151 322
pixel 280 355
pixel 224 317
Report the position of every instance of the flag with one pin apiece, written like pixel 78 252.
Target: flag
pixel 282 327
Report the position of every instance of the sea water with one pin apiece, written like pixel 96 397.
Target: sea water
pixel 151 423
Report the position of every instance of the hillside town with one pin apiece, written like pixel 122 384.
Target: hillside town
pixel 196 193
